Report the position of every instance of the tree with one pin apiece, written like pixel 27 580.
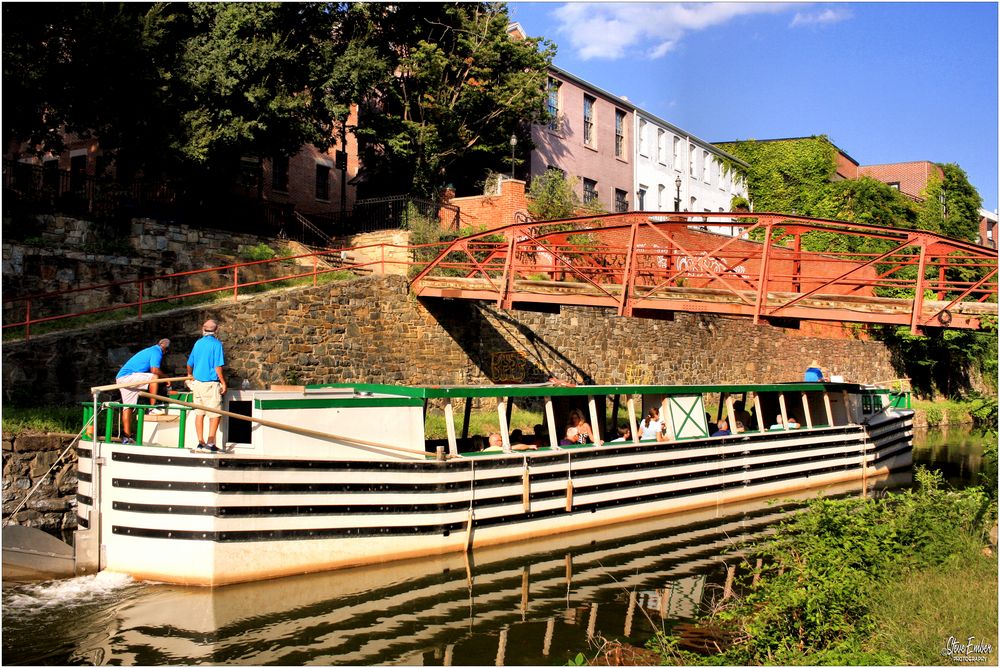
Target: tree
pixel 457 88
pixel 553 197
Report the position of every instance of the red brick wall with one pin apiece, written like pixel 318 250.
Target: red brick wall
pixel 846 168
pixel 492 211
pixel 912 177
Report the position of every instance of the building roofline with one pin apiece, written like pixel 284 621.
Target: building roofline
pixel 840 150
pixel 618 99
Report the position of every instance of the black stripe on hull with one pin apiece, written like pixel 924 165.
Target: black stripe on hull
pixel 446 528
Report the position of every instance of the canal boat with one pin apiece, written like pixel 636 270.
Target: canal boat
pixel 334 476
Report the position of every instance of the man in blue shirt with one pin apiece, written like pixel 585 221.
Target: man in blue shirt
pixel 209 385
pixel 815 373
pixel 143 366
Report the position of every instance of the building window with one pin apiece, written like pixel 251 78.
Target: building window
pixel 677 153
pixel 553 103
pixel 661 146
pixel 706 167
pixel 694 204
pixel 588 119
pixel 693 157
pixel 641 204
pixel 621 201
pixel 589 191
pixel 894 185
pixel 643 149
pixel 661 197
pixel 322 181
pixel 279 173
pixel 619 133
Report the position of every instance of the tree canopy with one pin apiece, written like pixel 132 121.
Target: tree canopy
pixel 189 88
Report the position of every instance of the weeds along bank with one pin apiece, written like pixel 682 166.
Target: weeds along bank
pixel 879 581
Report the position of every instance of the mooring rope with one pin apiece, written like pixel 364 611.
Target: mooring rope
pixel 34 489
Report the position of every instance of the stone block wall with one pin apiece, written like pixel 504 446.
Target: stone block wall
pixel 26 461
pixel 67 256
pixel 372 329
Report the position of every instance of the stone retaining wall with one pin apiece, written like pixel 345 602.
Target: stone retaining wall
pixel 26 460
pixel 372 329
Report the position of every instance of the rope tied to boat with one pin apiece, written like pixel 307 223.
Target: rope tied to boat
pixel 45 476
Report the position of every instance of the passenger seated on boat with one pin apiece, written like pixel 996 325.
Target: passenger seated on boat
pixel 518 442
pixel 650 425
pixel 495 443
pixel 624 434
pixel 572 437
pixel 739 427
pixel 778 424
pixel 741 414
pixel 662 436
pixel 793 423
pixel 541 435
pixel 583 429
pixel 723 429
pixel 815 373
pixel 478 443
pixel 708 422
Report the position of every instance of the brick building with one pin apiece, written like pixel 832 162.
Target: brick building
pixel 987 228
pixel 909 178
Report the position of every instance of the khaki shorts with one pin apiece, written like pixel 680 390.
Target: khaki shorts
pixel 130 395
pixel 207 394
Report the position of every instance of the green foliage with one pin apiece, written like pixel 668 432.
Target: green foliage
pixel 578 660
pixel 553 197
pixel 825 567
pixel 455 89
pixel 962 203
pixel 941 361
pixel 41 420
pixel 259 252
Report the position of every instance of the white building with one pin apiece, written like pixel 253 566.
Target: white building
pixel 676 171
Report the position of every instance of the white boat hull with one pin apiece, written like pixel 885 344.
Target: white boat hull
pixel 174 516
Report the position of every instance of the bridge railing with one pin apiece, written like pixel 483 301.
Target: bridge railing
pixel 768 265
pixel 142 296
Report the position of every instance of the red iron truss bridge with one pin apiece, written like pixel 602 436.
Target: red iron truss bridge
pixel 764 266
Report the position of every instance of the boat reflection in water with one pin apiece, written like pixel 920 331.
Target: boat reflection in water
pixel 518 604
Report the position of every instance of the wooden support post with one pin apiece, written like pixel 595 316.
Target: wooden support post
pixel 805 410
pixel 449 421
pixel 502 421
pixel 592 621
pixel 731 413
pixel 525 579
pixel 727 591
pixel 550 419
pixel 467 418
pixel 784 411
pixel 759 413
pixel 501 648
pixel 665 418
pixel 526 487
pixel 829 408
pixel 630 614
pixel 847 406
pixel 550 630
pixel 592 404
pixel 633 425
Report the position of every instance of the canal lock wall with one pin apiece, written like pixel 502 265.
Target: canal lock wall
pixel 371 329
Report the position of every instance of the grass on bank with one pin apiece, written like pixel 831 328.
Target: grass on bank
pixel 47 419
pixel 915 616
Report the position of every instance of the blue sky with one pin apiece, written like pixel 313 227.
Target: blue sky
pixel 886 82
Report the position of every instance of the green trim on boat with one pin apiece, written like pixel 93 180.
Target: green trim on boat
pixel 548 390
pixel 360 402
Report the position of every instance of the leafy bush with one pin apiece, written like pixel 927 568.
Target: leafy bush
pixel 259 252
pixel 824 568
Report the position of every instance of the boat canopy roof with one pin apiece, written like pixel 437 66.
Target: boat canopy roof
pixel 559 390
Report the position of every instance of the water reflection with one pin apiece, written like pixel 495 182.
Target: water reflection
pixel 524 604
pixel 956 452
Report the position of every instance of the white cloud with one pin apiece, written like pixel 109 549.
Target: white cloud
pixel 649 30
pixel 830 15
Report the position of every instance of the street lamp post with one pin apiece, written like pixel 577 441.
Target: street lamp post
pixel 677 198
pixel 513 145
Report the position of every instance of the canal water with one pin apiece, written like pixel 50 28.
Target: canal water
pixel 535 603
